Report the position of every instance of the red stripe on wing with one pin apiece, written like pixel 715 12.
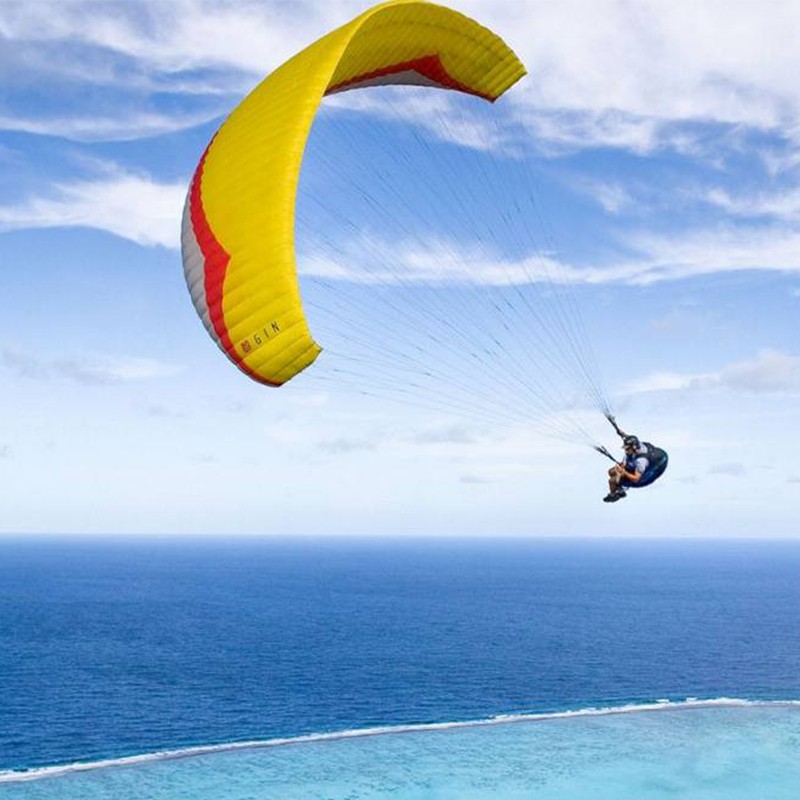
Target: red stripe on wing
pixel 430 67
pixel 215 267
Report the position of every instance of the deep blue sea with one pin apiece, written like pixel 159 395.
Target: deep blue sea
pixel 115 647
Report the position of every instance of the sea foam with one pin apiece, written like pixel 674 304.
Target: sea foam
pixel 38 773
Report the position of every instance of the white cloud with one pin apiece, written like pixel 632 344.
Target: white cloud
pixel 368 259
pixel 607 73
pixel 704 252
pixel 475 480
pixel 559 130
pixel 175 36
pixel 86 370
pixel 770 372
pixel 779 161
pixel 163 412
pixel 662 258
pixel 451 434
pixel 778 205
pixel 660 382
pixel 347 445
pixel 734 469
pixel 131 206
pixel 118 62
pixel 115 125
pixel 438 113
pixel 385 263
pixel 613 197
pixel 724 61
pixel 137 208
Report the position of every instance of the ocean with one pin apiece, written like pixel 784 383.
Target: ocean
pixel 405 668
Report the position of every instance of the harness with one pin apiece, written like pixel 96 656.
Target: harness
pixel 657 460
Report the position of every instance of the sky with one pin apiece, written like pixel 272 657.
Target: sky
pixel 661 141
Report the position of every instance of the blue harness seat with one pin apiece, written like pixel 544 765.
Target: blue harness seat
pixel 657 460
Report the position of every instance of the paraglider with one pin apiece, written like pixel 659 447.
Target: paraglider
pixel 642 465
pixel 447 326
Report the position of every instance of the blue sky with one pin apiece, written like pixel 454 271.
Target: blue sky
pixel 662 142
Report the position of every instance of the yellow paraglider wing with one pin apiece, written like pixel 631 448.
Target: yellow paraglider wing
pixel 238 225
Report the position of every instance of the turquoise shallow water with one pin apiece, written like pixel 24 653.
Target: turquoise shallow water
pixel 714 752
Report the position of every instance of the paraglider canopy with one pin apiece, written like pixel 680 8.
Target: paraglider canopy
pixel 238 224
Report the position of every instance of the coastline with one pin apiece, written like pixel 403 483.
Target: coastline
pixel 11 776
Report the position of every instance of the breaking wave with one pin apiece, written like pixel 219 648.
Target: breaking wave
pixel 38 773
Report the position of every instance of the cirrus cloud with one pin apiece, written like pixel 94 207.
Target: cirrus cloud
pixel 131 206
